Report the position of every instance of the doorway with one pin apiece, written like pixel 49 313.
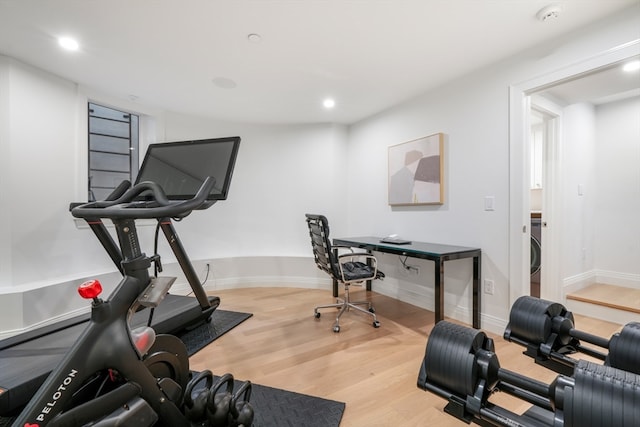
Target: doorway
pixel 544 144
pixel 538 141
pixel 524 100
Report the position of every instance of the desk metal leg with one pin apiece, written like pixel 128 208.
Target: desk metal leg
pixel 369 263
pixel 335 282
pixel 438 294
pixel 476 291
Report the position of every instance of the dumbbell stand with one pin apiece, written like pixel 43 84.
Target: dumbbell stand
pixel 592 339
pixel 493 415
pixel 550 359
pixel 524 388
pixel 556 359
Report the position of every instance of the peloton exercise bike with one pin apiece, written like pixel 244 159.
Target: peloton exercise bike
pixel 179 168
pixel 116 374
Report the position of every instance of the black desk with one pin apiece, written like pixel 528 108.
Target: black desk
pixel 431 251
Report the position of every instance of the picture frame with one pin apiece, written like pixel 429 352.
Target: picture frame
pixel 416 172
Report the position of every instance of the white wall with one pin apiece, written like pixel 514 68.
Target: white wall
pixel 601 194
pixel 578 152
pixel 5 172
pixel 40 165
pixel 282 172
pixel 473 113
pixel 40 176
pixel 617 188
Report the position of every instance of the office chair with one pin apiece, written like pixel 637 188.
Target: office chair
pixel 346 268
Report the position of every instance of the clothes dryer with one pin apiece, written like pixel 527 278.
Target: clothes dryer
pixel 536 256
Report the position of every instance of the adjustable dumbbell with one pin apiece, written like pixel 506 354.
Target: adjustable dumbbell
pixel 546 330
pixel 461 366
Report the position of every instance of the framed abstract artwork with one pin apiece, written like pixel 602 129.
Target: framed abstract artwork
pixel 416 171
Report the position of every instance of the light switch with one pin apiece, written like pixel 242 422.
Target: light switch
pixel 489 203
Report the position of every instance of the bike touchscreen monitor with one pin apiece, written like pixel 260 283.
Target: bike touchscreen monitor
pixel 181 167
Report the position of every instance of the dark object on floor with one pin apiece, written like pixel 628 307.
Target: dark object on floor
pixel 222 321
pixel 279 408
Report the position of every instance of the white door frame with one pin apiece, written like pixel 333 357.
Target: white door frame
pixel 519 169
pixel 552 196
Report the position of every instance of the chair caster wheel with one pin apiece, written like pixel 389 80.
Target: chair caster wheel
pixel 376 324
pixel 316 315
pixel 372 310
pixel 336 329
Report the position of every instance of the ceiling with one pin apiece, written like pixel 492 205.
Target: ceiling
pixel 611 83
pixel 274 61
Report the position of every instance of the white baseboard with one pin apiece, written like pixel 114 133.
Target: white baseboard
pixel 255 282
pixel 628 280
pixel 66 316
pixel 581 281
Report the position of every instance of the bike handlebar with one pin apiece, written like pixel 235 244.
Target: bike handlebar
pixel 125 207
pixel 119 190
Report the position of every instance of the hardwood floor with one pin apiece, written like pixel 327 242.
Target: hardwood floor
pixel 374 371
pixel 618 297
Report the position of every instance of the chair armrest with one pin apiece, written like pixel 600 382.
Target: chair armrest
pixel 359 256
pixel 342 247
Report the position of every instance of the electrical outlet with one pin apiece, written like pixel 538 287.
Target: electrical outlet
pixel 489 287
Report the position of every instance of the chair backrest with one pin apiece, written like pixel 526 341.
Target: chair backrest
pixel 321 244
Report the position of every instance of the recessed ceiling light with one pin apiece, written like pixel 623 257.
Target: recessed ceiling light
pixel 329 103
pixel 68 43
pixel 632 66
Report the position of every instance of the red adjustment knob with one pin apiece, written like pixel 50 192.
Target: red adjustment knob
pixel 90 289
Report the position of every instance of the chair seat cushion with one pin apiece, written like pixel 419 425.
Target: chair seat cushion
pixel 357 270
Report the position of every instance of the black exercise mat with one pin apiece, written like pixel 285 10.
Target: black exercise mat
pixel 281 408
pixel 222 321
